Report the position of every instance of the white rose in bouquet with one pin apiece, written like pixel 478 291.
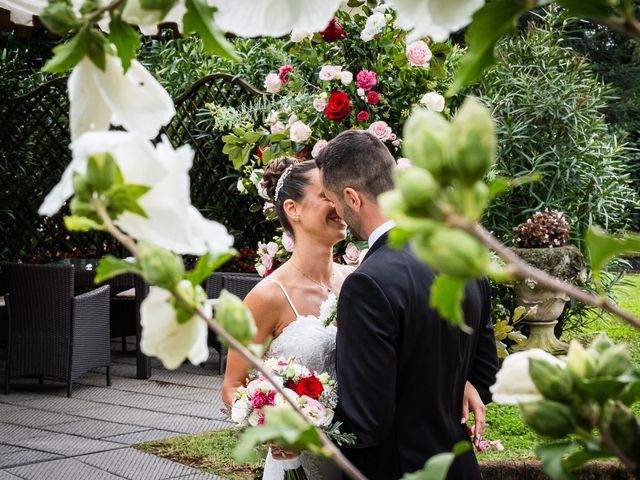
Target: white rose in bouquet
pixel 299 132
pixel 272 83
pixel 433 101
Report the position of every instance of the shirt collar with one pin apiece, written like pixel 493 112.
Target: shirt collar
pixel 381 230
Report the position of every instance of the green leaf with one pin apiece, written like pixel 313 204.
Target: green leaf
pixel 552 457
pixel 285 427
pixel 97 48
pixel 124 198
pixel 437 466
pixel 490 23
pixel 622 427
pixel 68 55
pixel 631 393
pixel 77 223
pixel 251 137
pixel 207 264
pixel 126 40
pixel 581 457
pixel 588 8
pixel 90 6
pixel 59 17
pixel 603 247
pixel 501 184
pixel 446 297
pixel 110 266
pixel 199 19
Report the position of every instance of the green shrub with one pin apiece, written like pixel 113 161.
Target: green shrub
pixel 549 104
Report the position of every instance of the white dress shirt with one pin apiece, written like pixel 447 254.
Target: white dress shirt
pixel 381 230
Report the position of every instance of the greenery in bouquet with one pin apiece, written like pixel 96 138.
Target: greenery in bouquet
pixel 359 73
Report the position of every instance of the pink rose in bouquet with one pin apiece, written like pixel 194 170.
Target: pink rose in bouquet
pixel 418 54
pixel 272 83
pixel 381 130
pixel 366 79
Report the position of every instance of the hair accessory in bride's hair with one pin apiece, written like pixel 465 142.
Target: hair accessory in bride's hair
pixel 281 180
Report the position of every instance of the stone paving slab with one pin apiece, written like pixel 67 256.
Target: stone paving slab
pixel 35 418
pixel 61 404
pixel 4 448
pixel 200 476
pixel 184 424
pixel 7 476
pixel 150 435
pixel 13 433
pixel 135 465
pixel 65 469
pixel 127 416
pixel 200 410
pixel 63 444
pixel 97 429
pixel 6 407
pixel 25 456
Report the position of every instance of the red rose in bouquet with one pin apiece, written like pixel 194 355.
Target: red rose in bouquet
pixel 309 386
pixel 338 106
pixel 333 32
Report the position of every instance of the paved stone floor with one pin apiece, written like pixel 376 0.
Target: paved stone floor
pixel 45 435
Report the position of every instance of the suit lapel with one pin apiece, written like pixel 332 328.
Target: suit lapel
pixel 378 243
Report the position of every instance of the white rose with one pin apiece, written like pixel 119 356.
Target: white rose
pixel 433 101
pixel 272 248
pixel 317 148
pixel 172 222
pixel 374 25
pixel 299 132
pixel 272 118
pixel 272 83
pixel 293 118
pixel 134 100
pixel 315 412
pixel 240 410
pixel 380 129
pixel 319 104
pixel 351 254
pixel 298 36
pixel 163 337
pixel 278 127
pixel 360 92
pixel 267 261
pixel 330 72
pixel 261 270
pixel 346 77
pixel 240 186
pixel 513 382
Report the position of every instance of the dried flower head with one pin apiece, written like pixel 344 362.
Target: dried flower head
pixel 548 229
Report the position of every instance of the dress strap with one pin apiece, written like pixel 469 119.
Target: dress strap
pixel 286 295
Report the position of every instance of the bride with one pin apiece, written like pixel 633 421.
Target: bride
pixel 286 304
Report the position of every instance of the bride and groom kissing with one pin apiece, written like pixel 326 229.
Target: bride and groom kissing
pixel 406 377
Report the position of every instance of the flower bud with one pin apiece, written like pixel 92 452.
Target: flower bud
pixel 613 362
pixel 453 252
pixel 580 361
pixel 623 427
pixel 548 418
pixel 600 344
pixel 552 380
pixel 473 141
pixel 232 315
pixel 160 267
pixel 417 185
pixel 426 143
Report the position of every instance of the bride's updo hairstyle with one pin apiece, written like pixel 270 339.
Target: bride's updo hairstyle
pixel 286 178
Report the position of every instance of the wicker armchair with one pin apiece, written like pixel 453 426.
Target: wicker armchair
pixel 239 284
pixel 51 333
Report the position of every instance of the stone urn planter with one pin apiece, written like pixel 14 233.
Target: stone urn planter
pixel 544 306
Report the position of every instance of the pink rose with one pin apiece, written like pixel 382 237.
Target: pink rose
pixel 287 243
pixel 317 148
pixel 366 79
pixel 267 261
pixel 351 254
pixel 272 83
pixel 299 132
pixel 418 54
pixel 329 72
pixel 283 72
pixel 319 104
pixel 278 127
pixel 381 130
pixel 372 97
pixel 404 163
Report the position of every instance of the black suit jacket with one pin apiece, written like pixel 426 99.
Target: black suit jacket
pixel 402 369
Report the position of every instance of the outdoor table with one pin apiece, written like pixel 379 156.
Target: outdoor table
pixel 84 275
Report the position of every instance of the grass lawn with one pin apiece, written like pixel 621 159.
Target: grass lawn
pixel 211 451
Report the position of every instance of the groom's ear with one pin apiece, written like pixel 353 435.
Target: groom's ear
pixel 352 199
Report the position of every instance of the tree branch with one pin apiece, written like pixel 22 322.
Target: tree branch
pixel 124 239
pixel 523 270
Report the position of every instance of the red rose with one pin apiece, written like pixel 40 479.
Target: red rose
pixel 309 386
pixel 338 106
pixel 372 97
pixel 363 116
pixel 333 32
pixel 284 72
pixel 302 153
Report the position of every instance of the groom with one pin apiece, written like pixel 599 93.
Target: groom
pixel 402 369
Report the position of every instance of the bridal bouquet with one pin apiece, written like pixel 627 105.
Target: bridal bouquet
pixel 314 393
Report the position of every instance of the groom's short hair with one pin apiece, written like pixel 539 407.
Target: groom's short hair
pixel 357 159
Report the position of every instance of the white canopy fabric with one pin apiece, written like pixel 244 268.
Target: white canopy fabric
pixel 22 12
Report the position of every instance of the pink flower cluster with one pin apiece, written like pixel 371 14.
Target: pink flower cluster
pixel 366 79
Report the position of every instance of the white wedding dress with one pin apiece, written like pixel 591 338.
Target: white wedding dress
pixel 314 346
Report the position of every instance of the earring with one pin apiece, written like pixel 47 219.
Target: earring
pixel 296 217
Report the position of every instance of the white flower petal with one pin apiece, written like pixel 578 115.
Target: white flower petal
pixel 87 110
pixel 137 101
pixel 273 18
